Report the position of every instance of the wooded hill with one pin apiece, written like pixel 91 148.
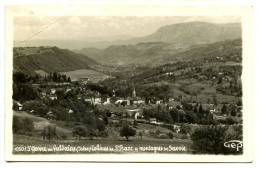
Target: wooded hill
pixel 49 59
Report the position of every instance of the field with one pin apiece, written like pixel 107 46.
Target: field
pixel 23 144
pixel 42 73
pixel 98 146
pixel 94 76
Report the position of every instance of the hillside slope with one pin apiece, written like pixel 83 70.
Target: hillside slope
pixel 140 53
pixel 158 53
pixel 29 59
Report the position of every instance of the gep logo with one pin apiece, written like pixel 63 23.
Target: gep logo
pixel 236 144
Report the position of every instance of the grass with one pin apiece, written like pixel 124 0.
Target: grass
pixel 42 73
pixel 94 76
pixel 40 123
pixel 116 146
pixel 116 141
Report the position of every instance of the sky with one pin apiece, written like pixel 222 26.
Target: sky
pixel 98 28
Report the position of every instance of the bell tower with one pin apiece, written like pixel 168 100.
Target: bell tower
pixel 134 93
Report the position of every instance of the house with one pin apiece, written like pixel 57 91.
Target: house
pixel 50 112
pixel 67 90
pixel 20 106
pixel 111 114
pixel 173 104
pixel 153 120
pixel 138 102
pixel 177 128
pixel 159 101
pixel 52 91
pixel 169 73
pixel 181 111
pixel 127 102
pixel 97 100
pixel 43 94
pixel 51 116
pixel 134 112
pixel 53 97
pixel 70 111
pixel 88 100
pixel 107 101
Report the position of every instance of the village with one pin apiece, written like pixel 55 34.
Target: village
pixel 132 108
pixel 131 104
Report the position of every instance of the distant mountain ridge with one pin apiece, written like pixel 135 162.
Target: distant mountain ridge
pixel 160 53
pixel 192 33
pixel 180 34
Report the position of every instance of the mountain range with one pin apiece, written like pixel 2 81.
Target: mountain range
pixel 181 34
pixel 169 43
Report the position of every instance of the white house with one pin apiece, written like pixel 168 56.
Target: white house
pixel 107 101
pixel 135 112
pixel 50 112
pixel 153 120
pixel 53 91
pixel 70 111
pixel 20 106
pixel 53 97
pixel 159 101
pixel 97 100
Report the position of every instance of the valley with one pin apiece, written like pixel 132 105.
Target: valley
pixel 159 90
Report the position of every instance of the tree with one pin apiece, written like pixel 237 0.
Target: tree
pixel 55 76
pixel 201 109
pixel 170 134
pixel 224 109
pixel 127 132
pixel 17 124
pixel 215 101
pixel 141 135
pixel 135 123
pixel 91 133
pixel 195 110
pixel 185 129
pixel 68 80
pixel 233 112
pixel 51 132
pixel 220 80
pixel 209 140
pixel 79 132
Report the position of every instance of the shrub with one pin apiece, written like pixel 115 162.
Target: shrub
pixel 184 137
pixel 185 129
pixel 170 134
pixel 163 136
pixel 22 126
pixel 64 137
pixel 103 134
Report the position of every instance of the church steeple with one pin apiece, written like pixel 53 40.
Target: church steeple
pixel 134 93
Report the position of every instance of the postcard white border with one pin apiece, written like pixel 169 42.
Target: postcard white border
pixel 246 14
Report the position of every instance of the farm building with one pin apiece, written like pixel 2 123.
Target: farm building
pixel 53 97
pixel 153 120
pixel 17 106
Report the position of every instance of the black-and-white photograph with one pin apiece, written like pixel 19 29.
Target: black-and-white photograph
pixel 127 85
